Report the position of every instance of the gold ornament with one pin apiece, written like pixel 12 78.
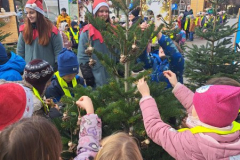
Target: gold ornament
pixel 92 62
pixel 123 58
pixel 147 141
pixel 70 144
pixel 89 50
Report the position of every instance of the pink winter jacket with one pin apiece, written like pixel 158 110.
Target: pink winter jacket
pixel 185 145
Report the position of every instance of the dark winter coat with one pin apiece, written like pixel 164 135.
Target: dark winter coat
pixel 185 14
pixel 55 91
pixel 12 69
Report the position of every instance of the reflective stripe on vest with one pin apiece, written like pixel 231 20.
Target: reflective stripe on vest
pixel 200 129
pixel 67 34
pixel 36 93
pixel 64 85
pixel 186 24
pixel 75 36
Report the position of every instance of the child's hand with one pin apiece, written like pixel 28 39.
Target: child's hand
pixel 143 88
pixel 49 102
pixel 171 77
pixel 85 102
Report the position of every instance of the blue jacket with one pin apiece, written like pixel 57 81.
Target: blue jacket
pixel 10 71
pixel 176 60
pixel 55 92
pixel 159 66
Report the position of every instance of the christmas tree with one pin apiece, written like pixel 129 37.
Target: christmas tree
pixel 216 58
pixel 117 103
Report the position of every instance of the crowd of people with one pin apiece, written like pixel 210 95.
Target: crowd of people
pixel 187 23
pixel 34 80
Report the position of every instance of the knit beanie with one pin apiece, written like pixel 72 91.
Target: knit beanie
pixel 35 5
pixel 3 54
pixel 16 103
pixel 67 62
pixel 37 73
pixel 135 12
pixel 217 105
pixel 98 4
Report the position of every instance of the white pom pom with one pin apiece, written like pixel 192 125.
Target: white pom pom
pixel 34 5
pixel 70 144
pixel 147 141
pixel 109 3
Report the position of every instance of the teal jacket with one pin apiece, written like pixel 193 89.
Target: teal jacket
pixel 48 53
pixel 98 70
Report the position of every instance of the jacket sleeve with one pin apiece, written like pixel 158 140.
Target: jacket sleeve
pixel 21 46
pixel 184 96
pixel 167 45
pixel 89 136
pixel 57 44
pixel 177 144
pixel 82 46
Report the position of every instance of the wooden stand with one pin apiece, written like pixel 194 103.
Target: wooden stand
pixel 11 24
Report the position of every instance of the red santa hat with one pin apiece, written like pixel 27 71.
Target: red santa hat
pixel 98 4
pixel 35 5
pixel 16 103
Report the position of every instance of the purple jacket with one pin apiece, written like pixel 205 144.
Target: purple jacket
pixel 89 136
pixel 185 145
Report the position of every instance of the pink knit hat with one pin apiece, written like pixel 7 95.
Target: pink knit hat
pixel 217 105
pixel 15 103
pixel 35 5
pixel 98 4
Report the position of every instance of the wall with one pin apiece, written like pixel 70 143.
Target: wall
pixel 11 26
pixel 197 6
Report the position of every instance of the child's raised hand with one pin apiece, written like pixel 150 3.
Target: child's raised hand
pixel 143 87
pixel 85 102
pixel 171 77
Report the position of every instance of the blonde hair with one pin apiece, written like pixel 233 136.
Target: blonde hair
pixel 119 146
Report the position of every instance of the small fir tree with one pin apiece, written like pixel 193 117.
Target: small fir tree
pixel 216 58
pixel 117 103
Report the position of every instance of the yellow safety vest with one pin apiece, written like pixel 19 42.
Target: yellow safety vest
pixel 75 36
pixel 45 107
pixel 186 24
pixel 67 34
pixel 224 16
pixel 196 22
pixel 200 129
pixel 64 85
pixel 154 40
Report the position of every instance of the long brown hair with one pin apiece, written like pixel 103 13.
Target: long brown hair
pixel 44 27
pixel 31 138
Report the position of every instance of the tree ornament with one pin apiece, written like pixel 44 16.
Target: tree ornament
pixel 70 144
pixel 65 116
pixel 130 134
pixel 147 141
pixel 123 58
pixel 92 62
pixel 89 50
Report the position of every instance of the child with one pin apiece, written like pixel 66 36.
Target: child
pixel 160 64
pixel 213 134
pixel 119 146
pixel 74 34
pixel 16 103
pixel 11 65
pixel 192 28
pixel 66 76
pixel 30 138
pixel 67 43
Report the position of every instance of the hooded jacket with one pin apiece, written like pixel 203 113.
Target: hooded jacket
pixel 67 43
pixel 185 145
pixel 12 69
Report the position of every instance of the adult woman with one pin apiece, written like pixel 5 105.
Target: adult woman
pixel 96 75
pixel 38 38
